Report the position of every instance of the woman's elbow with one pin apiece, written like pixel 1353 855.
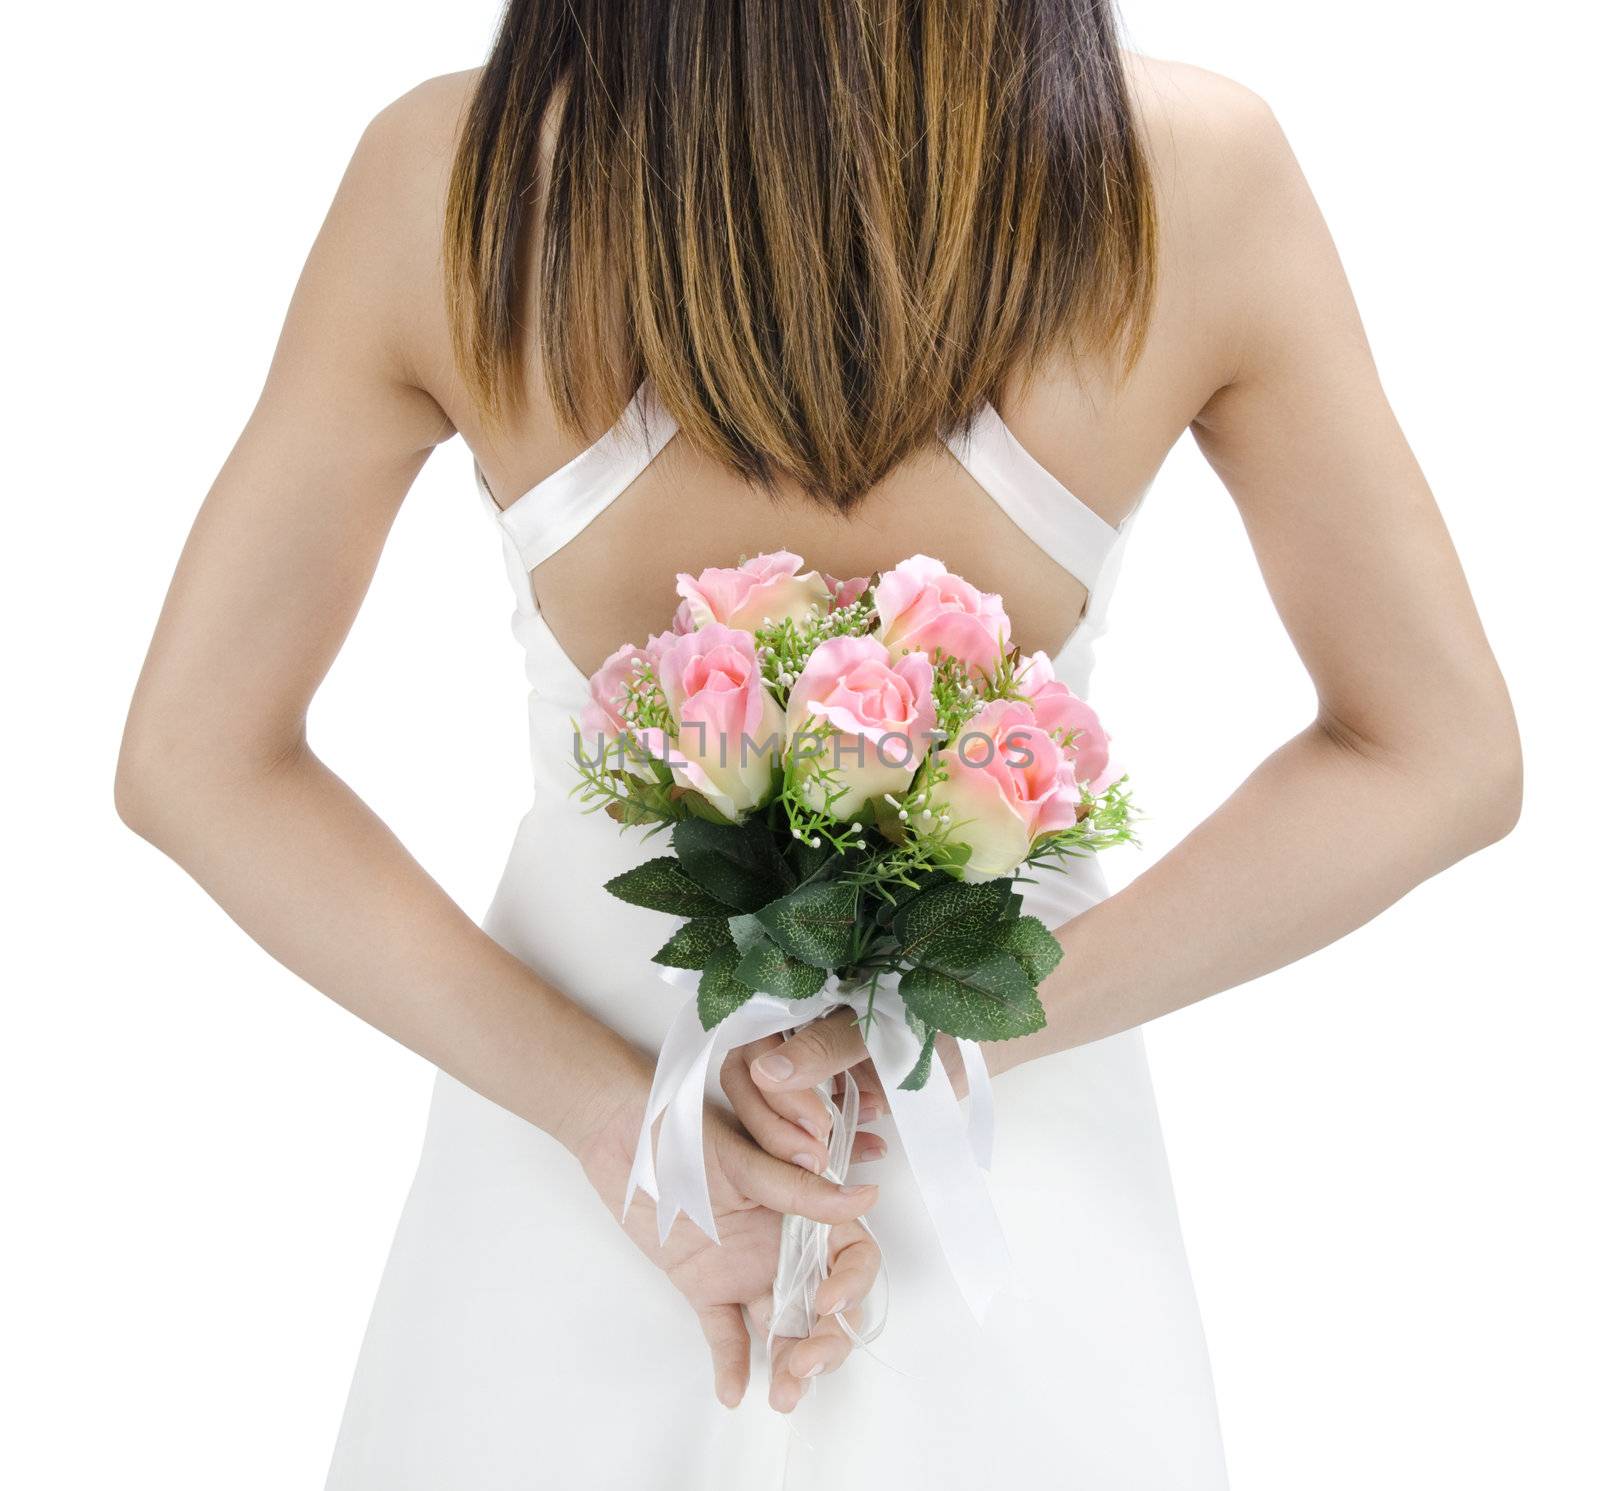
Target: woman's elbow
pixel 1501 793
pixel 143 789
pixel 1484 783
pixel 175 777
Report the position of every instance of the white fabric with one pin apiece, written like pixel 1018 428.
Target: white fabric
pixel 520 1341
pixel 945 1159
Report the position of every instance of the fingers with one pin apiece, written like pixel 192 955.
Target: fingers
pixel 784 1187
pixel 870 1086
pixel 851 1274
pixel 796 1362
pixel 725 1333
pixel 868 1147
pixel 793 1128
pixel 812 1056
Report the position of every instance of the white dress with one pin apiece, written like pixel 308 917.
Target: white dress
pixel 520 1341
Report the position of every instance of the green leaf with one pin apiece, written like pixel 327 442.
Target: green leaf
pixel 661 885
pixel 917 1077
pixel 1028 940
pixel 739 865
pixel 896 898
pixel 986 998
pixel 815 924
pixel 804 861
pixel 692 945
pixel 693 804
pixel 746 931
pixel 768 970
pixel 953 909
pixel 721 989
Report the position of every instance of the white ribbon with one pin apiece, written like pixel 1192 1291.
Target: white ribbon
pixel 803 1243
pixel 946 1157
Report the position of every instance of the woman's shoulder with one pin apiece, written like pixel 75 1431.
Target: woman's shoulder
pixel 400 170
pixel 386 226
pixel 430 112
pixel 1209 137
pixel 1228 190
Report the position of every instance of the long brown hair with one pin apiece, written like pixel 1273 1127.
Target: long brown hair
pixel 826 229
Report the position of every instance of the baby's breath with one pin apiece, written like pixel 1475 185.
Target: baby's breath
pixel 606 783
pixel 643 704
pixel 957 696
pixel 809 792
pixel 784 647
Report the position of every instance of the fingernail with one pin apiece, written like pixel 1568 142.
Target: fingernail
pixel 853 1190
pixel 867 1112
pixel 775 1067
pixel 814 1371
pixel 807 1162
pixel 840 1308
pixel 813 1128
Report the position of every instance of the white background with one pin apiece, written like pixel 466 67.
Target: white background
pixel 1384 1155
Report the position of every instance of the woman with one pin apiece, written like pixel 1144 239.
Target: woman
pixel 699 281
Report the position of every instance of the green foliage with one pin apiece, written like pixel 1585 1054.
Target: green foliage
pixel 609 778
pixel 807 860
pixel 746 931
pixel 1028 940
pixel 692 945
pixel 661 885
pixel 917 1078
pixel 721 989
pixel 767 969
pixel 949 910
pixel 739 865
pixel 816 923
pixel 982 995
pixel 967 958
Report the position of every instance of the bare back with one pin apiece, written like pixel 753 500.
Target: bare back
pixel 1101 436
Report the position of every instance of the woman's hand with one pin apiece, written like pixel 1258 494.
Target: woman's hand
pixel 771 1083
pixel 750 1190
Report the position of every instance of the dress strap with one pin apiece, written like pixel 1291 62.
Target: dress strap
pixel 1063 525
pixel 553 512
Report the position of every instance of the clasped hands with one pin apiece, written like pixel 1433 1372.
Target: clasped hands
pixel 762 1161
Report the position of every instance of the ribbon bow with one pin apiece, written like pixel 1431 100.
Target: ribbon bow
pixel 947 1157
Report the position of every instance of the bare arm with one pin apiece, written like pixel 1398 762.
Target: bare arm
pixel 1412 761
pixel 217 772
pixel 215 766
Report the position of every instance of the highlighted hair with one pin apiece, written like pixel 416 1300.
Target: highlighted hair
pixel 825 229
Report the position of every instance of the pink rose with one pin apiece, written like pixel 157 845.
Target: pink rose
pixel 1069 719
pixel 729 727
pixel 604 717
pixel 1007 782
pixel 881 716
pixel 767 588
pixel 923 607
pixel 846 592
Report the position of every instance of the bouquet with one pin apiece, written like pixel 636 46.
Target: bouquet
pixel 853 777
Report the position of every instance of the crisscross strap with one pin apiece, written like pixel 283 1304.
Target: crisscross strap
pixel 1061 524
pixel 556 510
